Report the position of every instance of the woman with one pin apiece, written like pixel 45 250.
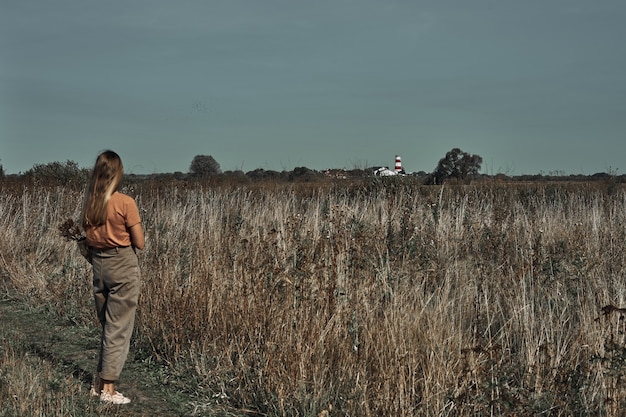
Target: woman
pixel 113 228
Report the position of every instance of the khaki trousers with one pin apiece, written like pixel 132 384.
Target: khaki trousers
pixel 116 291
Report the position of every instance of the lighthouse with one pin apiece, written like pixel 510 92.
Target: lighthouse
pixel 398 166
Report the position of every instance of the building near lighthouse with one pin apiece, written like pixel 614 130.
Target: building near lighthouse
pixel 386 172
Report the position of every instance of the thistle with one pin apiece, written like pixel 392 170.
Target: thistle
pixel 71 231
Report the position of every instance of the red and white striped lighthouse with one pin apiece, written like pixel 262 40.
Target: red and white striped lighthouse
pixel 398 164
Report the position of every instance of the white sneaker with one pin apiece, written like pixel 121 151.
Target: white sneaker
pixel 117 398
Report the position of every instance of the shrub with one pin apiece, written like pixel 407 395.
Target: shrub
pixel 57 173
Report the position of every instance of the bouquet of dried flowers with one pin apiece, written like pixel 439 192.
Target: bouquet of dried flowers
pixel 71 231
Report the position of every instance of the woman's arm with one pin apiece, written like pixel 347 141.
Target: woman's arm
pixel 137 236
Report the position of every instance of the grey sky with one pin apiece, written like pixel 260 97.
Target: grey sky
pixel 531 86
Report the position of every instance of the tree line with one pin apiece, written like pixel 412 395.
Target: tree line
pixel 455 166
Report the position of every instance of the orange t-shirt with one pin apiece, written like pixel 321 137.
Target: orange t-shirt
pixel 122 214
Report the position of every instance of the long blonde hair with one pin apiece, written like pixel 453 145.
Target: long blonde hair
pixel 105 179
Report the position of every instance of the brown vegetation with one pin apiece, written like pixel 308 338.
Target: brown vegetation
pixel 364 298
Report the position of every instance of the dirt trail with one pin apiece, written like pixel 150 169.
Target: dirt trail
pixel 75 350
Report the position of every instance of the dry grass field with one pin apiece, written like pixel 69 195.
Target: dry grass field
pixel 380 297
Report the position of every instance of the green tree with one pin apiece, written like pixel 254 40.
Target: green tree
pixel 457 164
pixel 204 166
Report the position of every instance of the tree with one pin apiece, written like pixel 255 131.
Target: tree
pixel 262 174
pixel 204 166
pixel 57 173
pixel 457 164
pixel 303 174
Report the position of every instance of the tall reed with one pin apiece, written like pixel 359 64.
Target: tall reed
pixel 376 298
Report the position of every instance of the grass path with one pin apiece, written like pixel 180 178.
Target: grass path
pixel 71 351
